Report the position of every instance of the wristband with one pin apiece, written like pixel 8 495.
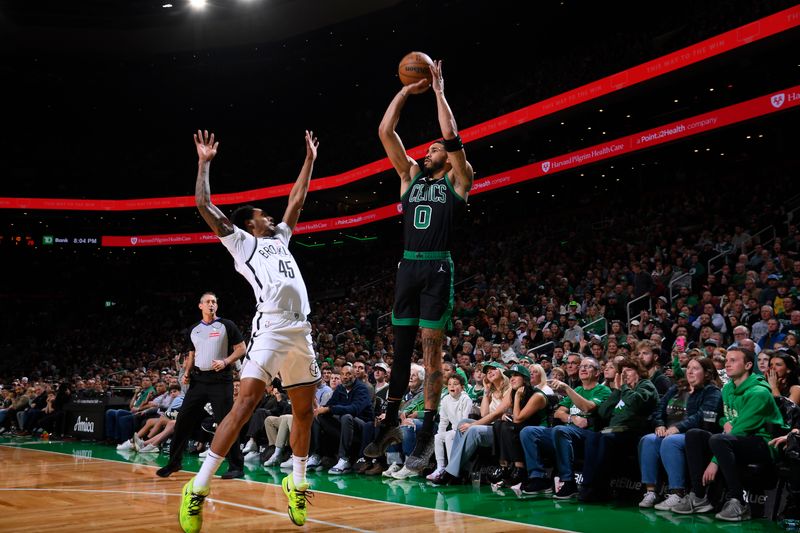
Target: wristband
pixel 453 145
pixel 569 419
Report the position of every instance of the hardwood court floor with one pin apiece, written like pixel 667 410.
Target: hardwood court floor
pixel 42 490
pixel 79 486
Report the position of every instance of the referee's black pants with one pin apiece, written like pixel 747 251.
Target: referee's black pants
pixel 211 387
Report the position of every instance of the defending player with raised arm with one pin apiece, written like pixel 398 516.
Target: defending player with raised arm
pixel 280 340
pixel 430 197
pixel 264 226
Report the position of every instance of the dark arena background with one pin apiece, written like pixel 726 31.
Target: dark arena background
pixel 636 158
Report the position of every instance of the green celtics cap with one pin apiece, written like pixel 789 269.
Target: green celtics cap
pixel 518 369
pixel 494 364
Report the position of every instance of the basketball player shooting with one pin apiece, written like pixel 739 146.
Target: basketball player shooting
pixel 280 341
pixel 430 197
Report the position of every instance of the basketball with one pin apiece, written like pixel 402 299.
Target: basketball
pixel 414 67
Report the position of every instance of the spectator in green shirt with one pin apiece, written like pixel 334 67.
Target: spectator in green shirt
pixel 751 416
pixel 577 412
pixel 626 413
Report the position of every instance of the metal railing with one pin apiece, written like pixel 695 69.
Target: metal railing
pixel 752 239
pixel 345 332
pixel 628 307
pixel 373 282
pixel 535 348
pixel 792 205
pixel 464 280
pixel 790 216
pixel 605 326
pixel 382 317
pixel 672 284
pixel 709 269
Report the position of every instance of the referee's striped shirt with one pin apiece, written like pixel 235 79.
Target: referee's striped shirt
pixel 213 340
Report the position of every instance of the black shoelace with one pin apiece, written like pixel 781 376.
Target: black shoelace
pixel 196 504
pixel 302 498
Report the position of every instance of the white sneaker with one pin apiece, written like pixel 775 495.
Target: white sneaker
pixel 435 474
pixel 667 505
pixel 252 456
pixel 289 463
pixel 125 446
pixel 341 467
pixel 314 462
pixel 275 460
pixel 649 500
pixel 138 443
pixel 250 446
pixel 404 473
pixel 391 470
pixel 149 448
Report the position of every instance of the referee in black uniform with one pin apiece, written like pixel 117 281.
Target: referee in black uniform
pixel 217 344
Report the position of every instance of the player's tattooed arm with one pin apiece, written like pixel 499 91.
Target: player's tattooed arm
pixel 216 219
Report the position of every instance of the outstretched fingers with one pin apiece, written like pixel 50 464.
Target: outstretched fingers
pixel 310 139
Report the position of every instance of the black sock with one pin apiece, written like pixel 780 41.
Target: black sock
pixel 427 421
pixel 392 408
pixel 404 339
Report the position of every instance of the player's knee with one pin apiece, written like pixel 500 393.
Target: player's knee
pixel 303 414
pixel 246 405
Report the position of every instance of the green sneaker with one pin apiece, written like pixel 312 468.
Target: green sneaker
pixel 191 514
pixel 298 497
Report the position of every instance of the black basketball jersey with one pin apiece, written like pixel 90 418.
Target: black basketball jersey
pixel 428 210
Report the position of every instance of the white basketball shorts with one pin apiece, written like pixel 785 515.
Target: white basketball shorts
pixel 281 346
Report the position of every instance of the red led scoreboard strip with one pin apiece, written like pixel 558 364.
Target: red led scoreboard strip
pixel 763 105
pixel 725 42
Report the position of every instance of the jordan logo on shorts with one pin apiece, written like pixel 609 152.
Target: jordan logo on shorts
pixel 441 268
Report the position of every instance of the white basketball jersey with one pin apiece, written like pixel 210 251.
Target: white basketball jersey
pixel 268 265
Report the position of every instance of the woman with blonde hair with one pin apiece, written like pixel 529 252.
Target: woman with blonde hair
pixel 539 379
pixel 472 434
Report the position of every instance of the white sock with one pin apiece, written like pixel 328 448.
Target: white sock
pixel 299 469
pixel 251 441
pixel 209 468
pixel 277 453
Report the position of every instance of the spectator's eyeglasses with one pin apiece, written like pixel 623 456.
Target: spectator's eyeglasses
pixel 587 367
pixel 571 363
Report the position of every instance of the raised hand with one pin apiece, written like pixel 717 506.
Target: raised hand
pixel 311 145
pixel 438 78
pixel 419 87
pixel 206 147
pixel 772 379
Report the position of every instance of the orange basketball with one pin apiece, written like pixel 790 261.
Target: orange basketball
pixel 414 67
